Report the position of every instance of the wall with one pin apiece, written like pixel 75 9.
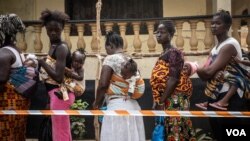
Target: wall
pixel 29 9
pixel 50 4
pixel 174 8
pixel 239 5
pixel 24 8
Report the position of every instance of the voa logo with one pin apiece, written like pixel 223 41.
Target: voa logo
pixel 236 132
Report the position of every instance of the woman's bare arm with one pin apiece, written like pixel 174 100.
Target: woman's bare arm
pixel 58 73
pixel 224 56
pixel 5 61
pixel 104 82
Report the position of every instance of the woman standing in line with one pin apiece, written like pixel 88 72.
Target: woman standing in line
pixel 114 87
pixel 53 70
pixel 222 58
pixel 171 85
pixel 12 127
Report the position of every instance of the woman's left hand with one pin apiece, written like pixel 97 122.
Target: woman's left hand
pixel 41 60
pixel 95 106
pixel 157 106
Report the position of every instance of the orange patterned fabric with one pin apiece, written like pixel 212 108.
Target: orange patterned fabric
pixel 159 77
pixel 12 127
pixel 118 86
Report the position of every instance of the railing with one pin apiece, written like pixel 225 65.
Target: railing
pixel 193 35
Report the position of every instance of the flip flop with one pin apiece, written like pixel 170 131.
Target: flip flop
pixel 202 106
pixel 218 106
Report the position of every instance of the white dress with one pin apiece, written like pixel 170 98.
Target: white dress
pixel 121 128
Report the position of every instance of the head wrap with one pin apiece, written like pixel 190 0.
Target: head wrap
pixel 10 24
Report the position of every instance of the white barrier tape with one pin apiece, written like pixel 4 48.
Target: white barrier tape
pixel 129 113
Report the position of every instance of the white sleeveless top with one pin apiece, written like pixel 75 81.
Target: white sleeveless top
pixel 19 58
pixel 215 51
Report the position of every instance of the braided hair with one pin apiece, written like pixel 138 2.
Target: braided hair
pixel 225 17
pixel 131 65
pixel 10 24
pixel 48 15
pixel 113 39
pixel 81 50
pixel 169 25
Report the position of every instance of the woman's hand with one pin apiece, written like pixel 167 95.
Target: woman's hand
pixel 41 60
pixel 237 59
pixel 68 72
pixel 219 75
pixel 158 106
pixel 95 106
pixel 187 69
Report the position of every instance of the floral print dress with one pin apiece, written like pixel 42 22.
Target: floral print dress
pixel 171 62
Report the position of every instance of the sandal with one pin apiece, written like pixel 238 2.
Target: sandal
pixel 202 106
pixel 218 106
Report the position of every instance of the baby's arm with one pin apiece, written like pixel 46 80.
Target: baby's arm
pixel 244 62
pixel 77 76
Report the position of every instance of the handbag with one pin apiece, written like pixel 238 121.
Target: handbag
pixel 24 80
pixel 159 132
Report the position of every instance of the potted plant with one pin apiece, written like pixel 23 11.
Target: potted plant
pixel 77 122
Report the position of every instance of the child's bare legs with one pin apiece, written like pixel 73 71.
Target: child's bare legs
pixel 223 103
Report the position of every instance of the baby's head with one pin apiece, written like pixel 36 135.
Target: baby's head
pixel 129 69
pixel 31 61
pixel 78 58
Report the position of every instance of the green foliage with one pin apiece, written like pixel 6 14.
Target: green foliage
pixel 77 122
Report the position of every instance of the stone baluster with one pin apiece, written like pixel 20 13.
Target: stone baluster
pixel 38 45
pixel 179 40
pixel 193 40
pixel 235 28
pixel 67 35
pixel 94 42
pixel 137 41
pixel 80 41
pixel 21 43
pixel 108 26
pixel 122 28
pixel 248 35
pixel 151 40
pixel 209 38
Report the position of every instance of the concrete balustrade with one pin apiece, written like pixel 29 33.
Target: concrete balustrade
pixel 193 37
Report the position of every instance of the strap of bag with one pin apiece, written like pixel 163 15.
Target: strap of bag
pixel 14 50
pixel 159 120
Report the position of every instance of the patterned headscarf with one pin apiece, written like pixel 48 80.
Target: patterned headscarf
pixel 10 24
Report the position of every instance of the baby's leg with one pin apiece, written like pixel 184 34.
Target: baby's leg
pixel 230 93
pixel 223 103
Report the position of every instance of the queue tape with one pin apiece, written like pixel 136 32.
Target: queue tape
pixel 233 114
